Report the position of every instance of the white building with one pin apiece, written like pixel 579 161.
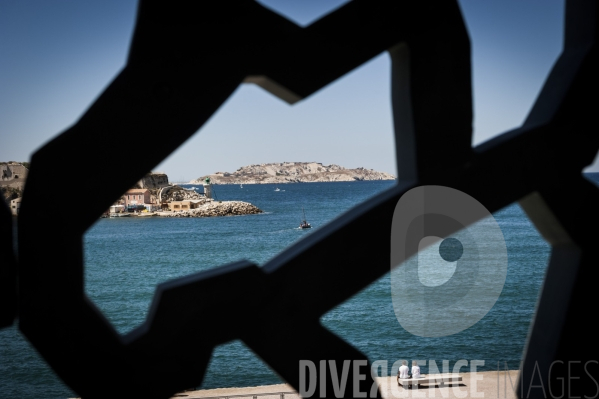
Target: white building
pixel 15 206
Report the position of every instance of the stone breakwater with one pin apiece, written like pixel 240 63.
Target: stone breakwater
pixel 216 208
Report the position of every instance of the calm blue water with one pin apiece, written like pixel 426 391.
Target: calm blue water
pixel 126 258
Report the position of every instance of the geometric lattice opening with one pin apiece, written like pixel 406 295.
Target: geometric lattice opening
pixel 125 259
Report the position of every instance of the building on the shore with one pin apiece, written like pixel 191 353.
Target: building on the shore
pixel 185 205
pixel 15 206
pixel 137 196
pixel 136 199
pixel 152 207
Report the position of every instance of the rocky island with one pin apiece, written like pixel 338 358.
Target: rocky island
pixel 154 195
pixel 202 206
pixel 293 172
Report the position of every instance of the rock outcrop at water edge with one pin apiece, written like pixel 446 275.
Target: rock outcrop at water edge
pixel 153 180
pixel 217 208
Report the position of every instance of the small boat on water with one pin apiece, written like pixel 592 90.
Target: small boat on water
pixel 241 186
pixel 304 224
pixel 277 189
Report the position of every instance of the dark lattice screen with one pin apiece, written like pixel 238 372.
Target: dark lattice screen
pixel 185 60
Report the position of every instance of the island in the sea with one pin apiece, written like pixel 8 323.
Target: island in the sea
pixel 293 172
pixel 154 195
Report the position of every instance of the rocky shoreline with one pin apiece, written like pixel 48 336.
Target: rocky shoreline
pixel 185 202
pixel 215 208
pixel 293 172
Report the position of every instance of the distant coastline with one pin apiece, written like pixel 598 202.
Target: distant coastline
pixel 292 172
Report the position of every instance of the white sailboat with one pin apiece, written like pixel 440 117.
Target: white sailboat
pixel 304 224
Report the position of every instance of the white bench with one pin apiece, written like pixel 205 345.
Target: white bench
pixel 440 379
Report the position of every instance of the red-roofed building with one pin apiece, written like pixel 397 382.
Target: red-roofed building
pixel 137 196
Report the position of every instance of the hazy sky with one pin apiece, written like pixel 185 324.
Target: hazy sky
pixel 56 57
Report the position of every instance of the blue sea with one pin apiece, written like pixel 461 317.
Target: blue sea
pixel 127 257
